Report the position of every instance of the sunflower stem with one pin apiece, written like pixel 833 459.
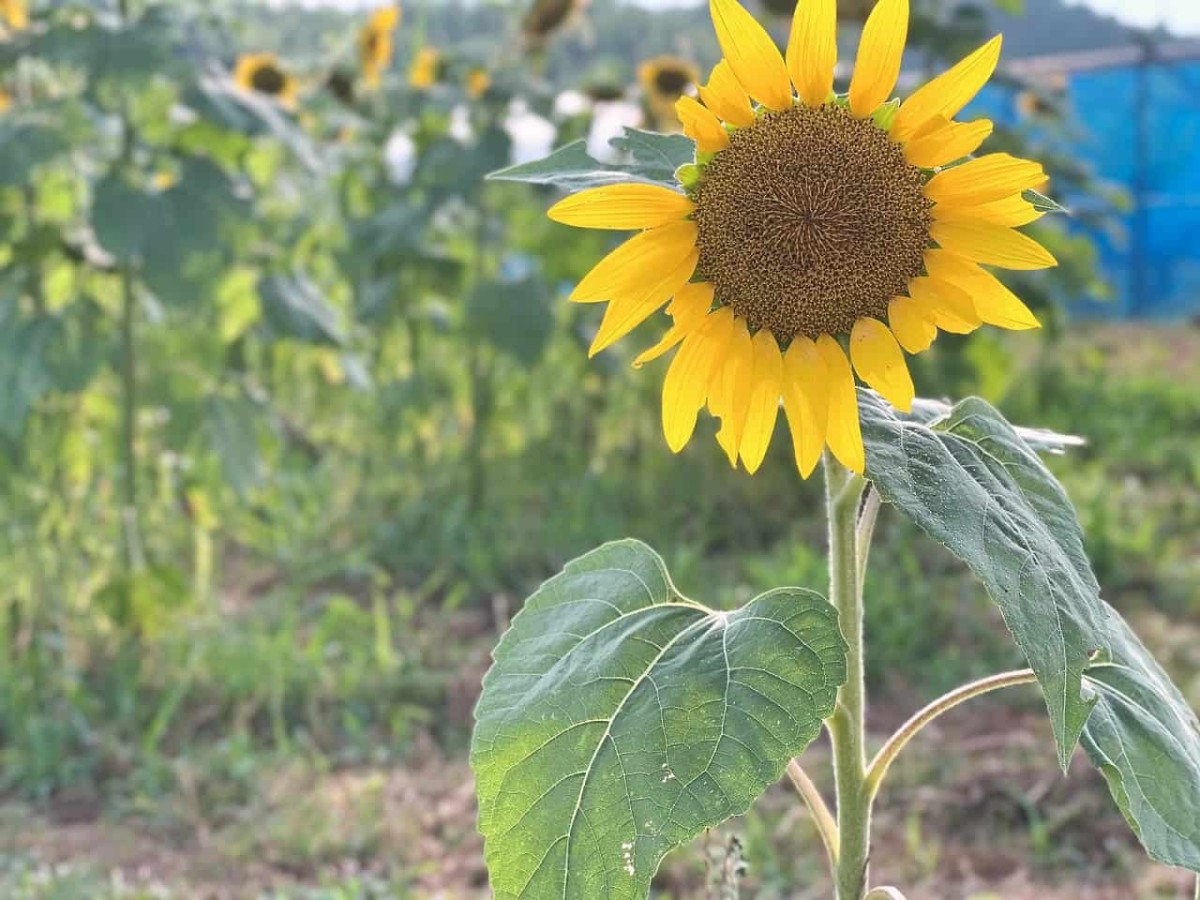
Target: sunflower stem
pixel 847 726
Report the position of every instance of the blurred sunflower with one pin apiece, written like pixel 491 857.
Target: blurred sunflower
pixel 604 92
pixel 5 100
pixel 478 81
pixel 375 45
pixel 14 13
pixel 262 74
pixel 426 68
pixel 340 83
pixel 664 79
pixel 815 237
pixel 545 17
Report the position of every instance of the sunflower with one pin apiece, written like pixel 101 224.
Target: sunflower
pixel 14 13
pixel 664 80
pixel 5 100
pixel 546 17
pixel 340 83
pixel 478 81
pixel 262 74
pixel 426 69
pixel 375 45
pixel 815 236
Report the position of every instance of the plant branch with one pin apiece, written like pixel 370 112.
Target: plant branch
pixel 866 530
pixel 822 817
pixel 888 753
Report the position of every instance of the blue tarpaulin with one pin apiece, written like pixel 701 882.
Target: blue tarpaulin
pixel 1137 127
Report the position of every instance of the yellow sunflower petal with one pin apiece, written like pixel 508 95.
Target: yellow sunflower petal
pixel 725 96
pixel 701 125
pixel 689 309
pixel 947 142
pixel 1012 212
pixel 622 207
pixel 627 311
pixel 843 432
pixel 644 256
pixel 730 384
pixel 915 330
pixel 386 18
pixel 947 94
pixel 949 306
pixel 686 386
pixel 806 401
pixel 992 245
pixel 877 359
pixel 879 54
pixel 995 303
pixel 812 49
pixel 763 408
pixel 982 180
pixel 751 53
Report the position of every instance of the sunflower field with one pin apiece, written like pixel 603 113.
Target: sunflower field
pixel 306 384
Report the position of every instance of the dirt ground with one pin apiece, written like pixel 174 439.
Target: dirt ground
pixel 995 821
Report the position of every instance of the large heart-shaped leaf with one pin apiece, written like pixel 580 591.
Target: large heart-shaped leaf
pixel 975 486
pixel 621 719
pixel 651 158
pixel 1145 739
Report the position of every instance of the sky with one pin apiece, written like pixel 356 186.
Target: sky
pixel 1181 16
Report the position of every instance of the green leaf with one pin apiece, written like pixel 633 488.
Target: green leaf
pixel 294 308
pixel 233 428
pixel 1041 440
pixel 655 156
pixel 514 316
pixel 27 140
pixel 1042 203
pixel 621 719
pixel 127 219
pixel 108 50
pixel 222 103
pixel 1145 739
pixel 975 486
pixel 652 158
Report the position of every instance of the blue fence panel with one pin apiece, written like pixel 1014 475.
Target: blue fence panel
pixel 1137 128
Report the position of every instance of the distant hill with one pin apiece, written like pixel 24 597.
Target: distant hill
pixel 1051 26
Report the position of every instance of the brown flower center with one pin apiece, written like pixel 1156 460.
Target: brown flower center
pixel 810 220
pixel 671 81
pixel 545 16
pixel 268 79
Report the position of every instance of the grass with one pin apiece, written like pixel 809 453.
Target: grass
pixel 302 732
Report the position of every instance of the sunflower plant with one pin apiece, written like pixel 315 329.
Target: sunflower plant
pixel 802 242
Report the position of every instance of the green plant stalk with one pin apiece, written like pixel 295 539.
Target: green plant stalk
pixel 479 377
pixel 130 517
pixel 847 726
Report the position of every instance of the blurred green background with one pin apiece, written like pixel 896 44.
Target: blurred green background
pixel 294 414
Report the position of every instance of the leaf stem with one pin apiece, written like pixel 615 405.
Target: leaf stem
pixel 884 758
pixel 822 817
pixel 847 726
pixel 865 530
